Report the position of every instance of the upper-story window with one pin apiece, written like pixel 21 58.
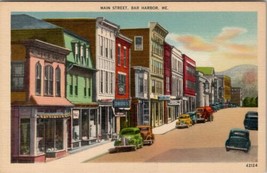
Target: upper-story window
pixel 121 84
pixel 76 86
pixel 76 52
pixel 111 83
pixel 101 47
pixel 87 56
pixel 101 81
pixel 124 56
pixel 119 54
pixel 111 49
pixel 85 87
pixel 71 85
pixel 141 83
pixel 106 47
pixel 38 74
pixel 48 80
pixel 58 82
pixel 138 43
pixel 17 75
pixel 167 84
pixel 82 57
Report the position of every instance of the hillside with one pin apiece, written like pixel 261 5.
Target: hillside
pixel 244 76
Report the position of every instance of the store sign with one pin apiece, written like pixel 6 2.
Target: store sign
pixel 120 114
pixel 24 111
pixel 164 97
pixel 75 114
pixel 121 103
pixel 174 103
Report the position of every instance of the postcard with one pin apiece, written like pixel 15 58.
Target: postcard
pixel 133 87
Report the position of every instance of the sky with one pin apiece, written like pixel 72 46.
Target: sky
pixel 213 39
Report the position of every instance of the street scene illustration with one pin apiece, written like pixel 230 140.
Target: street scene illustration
pixel 101 87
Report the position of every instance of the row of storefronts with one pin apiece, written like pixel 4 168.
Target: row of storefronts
pixel 80 89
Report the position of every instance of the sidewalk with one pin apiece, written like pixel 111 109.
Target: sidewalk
pixel 102 148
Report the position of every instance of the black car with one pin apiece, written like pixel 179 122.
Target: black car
pixel 251 120
pixel 238 140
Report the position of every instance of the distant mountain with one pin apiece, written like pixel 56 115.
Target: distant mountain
pixel 245 77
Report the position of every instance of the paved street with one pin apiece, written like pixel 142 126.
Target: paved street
pixel 200 143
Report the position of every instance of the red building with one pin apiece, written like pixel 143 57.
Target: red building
pixel 189 83
pixel 122 87
pixel 167 81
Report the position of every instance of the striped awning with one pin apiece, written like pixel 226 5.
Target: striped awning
pixel 53 115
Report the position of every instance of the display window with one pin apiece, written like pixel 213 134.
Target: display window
pixel 85 125
pixel 49 135
pixel 93 123
pixel 25 136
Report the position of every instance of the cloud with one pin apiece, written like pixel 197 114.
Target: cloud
pixel 196 43
pixel 228 33
pixel 241 48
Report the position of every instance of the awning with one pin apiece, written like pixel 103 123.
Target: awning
pixel 53 115
pixel 50 101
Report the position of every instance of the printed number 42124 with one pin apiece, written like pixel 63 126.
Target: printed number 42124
pixel 251 165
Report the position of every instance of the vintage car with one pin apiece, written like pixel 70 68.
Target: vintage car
pixel 251 120
pixel 238 140
pixel 204 114
pixel 184 121
pixel 193 117
pixel 129 139
pixel 147 134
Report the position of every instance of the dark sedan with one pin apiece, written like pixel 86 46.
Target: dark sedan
pixel 238 140
pixel 251 120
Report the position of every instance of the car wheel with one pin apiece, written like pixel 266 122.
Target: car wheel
pixel 135 147
pixel 246 151
pixel 227 149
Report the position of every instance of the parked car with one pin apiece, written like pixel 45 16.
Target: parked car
pixel 129 139
pixel 147 134
pixel 184 121
pixel 215 107
pixel 204 114
pixel 238 140
pixel 193 117
pixel 251 120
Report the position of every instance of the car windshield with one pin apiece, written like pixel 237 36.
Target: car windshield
pixel 144 128
pixel 253 114
pixel 127 132
pixel 240 134
pixel 183 116
pixel 199 110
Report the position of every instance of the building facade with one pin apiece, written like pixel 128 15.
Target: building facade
pixel 213 89
pixel 102 36
pixel 39 109
pixel 189 84
pixel 148 51
pixel 122 102
pixel 236 96
pixel 225 88
pixel 177 93
pixel 79 91
pixel 169 111
pixel 140 109
pixel 202 89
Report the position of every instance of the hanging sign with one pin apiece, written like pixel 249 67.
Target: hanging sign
pixel 75 114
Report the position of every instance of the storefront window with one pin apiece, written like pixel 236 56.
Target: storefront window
pixel 25 136
pixel 85 125
pixel 76 130
pixel 93 114
pixel 40 140
pixel 54 135
pixel 59 134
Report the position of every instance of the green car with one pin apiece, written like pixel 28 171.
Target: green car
pixel 129 138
